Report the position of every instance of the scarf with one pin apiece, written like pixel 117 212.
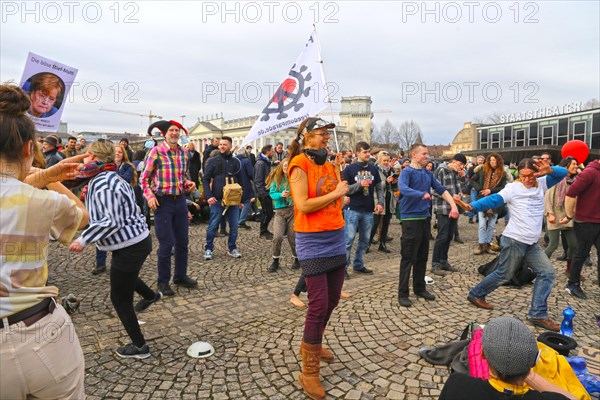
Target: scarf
pixel 508 388
pixel 89 171
pixel 492 177
pixel 561 189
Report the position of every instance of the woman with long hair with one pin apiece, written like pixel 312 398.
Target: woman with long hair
pixel 390 185
pixel 27 305
pixel 488 179
pixel 279 190
pixel 318 194
pixel 117 225
pixel 554 204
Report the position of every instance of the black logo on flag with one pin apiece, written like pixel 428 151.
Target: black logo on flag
pixel 289 94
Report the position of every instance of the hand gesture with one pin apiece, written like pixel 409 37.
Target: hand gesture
pixel 389 179
pixel 454 213
pixel 212 201
pixel 379 209
pixel 189 186
pixel 285 194
pixel 76 247
pixel 342 188
pixel 426 196
pixel 153 203
pixel 485 192
pixel 62 171
pixel 564 220
pixel 75 159
pixel 543 168
pixel 551 218
pixel 463 205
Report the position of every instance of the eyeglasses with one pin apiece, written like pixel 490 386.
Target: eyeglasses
pixel 324 133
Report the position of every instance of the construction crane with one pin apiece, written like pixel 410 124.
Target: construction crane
pixel 150 116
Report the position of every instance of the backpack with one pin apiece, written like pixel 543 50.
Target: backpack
pixel 523 274
pixel 232 193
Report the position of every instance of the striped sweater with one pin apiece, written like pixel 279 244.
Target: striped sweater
pixel 116 221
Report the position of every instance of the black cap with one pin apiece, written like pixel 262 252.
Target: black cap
pixel 460 157
pixel 51 140
pixel 316 123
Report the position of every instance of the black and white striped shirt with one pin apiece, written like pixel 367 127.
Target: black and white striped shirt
pixel 116 221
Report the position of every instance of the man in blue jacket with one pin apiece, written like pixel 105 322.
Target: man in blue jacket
pixel 246 176
pixel 415 202
pixel 217 169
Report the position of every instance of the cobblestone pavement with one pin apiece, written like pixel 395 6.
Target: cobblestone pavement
pixel 245 313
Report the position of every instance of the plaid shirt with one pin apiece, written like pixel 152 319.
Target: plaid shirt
pixel 453 183
pixel 164 171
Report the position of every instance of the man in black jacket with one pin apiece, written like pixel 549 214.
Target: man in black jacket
pixel 194 163
pixel 217 169
pixel 261 171
pixel 214 144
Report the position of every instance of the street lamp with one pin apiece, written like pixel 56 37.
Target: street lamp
pixel 182 117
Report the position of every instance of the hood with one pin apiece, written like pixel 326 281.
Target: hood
pixel 595 164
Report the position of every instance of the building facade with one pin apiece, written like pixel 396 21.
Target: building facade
pixel 353 124
pixel 524 137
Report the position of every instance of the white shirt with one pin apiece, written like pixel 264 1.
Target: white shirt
pixel 525 210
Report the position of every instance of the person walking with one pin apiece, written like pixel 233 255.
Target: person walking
pixel 488 179
pixel 317 191
pixel 262 168
pixel 389 184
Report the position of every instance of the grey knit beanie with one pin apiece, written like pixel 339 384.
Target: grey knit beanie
pixel 509 346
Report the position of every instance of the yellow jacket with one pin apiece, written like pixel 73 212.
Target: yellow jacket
pixel 556 369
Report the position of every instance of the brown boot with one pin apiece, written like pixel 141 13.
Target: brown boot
pixel 479 250
pixel 488 249
pixel 326 354
pixel 309 379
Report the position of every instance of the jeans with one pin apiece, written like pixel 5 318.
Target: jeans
pixel 216 214
pixel 446 231
pixel 100 258
pixel 361 222
pixel 473 198
pixel 245 211
pixel 487 225
pixel 283 222
pixel 323 297
pixel 587 234
pixel 511 253
pixel 414 250
pixel 171 226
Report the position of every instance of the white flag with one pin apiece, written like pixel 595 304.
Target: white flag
pixel 300 95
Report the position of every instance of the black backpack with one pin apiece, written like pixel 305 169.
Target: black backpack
pixel 523 274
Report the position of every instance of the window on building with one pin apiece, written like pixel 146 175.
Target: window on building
pixel 483 139
pixel 520 137
pixel 495 140
pixel 533 138
pixel 547 135
pixel 507 142
pixel 579 131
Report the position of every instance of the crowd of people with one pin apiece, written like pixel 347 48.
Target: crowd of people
pixel 317 200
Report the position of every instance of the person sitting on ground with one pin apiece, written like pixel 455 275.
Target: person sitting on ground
pixel 511 351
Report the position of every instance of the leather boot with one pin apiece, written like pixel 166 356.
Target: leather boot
pixel 274 266
pixel 383 248
pixel 488 249
pixel 479 250
pixel 326 354
pixel 309 379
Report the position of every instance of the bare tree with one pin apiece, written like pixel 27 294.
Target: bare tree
pixel 387 134
pixel 409 134
pixel 590 104
pixel 488 119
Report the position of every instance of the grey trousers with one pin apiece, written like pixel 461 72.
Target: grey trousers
pixel 283 222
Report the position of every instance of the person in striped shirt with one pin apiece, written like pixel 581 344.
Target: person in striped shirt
pixel 165 183
pixel 117 225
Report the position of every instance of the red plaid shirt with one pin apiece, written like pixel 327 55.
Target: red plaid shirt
pixel 165 171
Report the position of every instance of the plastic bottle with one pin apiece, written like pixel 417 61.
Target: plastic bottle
pixel 566 328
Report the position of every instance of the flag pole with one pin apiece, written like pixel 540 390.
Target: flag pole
pixel 337 146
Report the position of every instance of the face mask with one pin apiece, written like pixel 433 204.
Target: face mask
pixel 185 140
pixel 320 156
pixel 149 144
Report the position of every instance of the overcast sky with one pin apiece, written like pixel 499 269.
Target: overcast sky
pixel 439 65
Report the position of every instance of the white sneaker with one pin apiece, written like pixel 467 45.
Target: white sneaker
pixel 208 255
pixel 234 253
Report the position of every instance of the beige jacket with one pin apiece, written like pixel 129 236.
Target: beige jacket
pixel 550 207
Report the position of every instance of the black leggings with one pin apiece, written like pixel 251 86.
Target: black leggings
pixel 124 280
pixel 300 286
